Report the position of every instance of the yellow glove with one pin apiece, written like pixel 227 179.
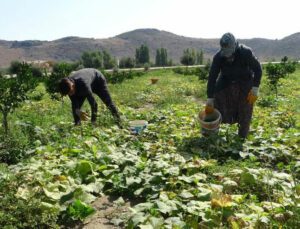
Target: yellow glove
pixel 209 108
pixel 252 95
pixel 82 115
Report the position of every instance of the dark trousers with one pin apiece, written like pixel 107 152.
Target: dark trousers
pixel 99 87
pixel 234 107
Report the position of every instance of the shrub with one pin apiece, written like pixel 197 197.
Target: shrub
pixel 12 149
pixel 127 62
pixel 277 71
pixel 19 212
pixel 14 91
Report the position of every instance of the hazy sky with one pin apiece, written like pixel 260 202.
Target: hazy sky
pixel 54 19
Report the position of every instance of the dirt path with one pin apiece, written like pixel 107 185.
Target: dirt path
pixel 106 211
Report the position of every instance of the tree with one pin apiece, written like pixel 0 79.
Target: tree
pixel 161 58
pixel 189 57
pixel 158 58
pixel 108 61
pixel 14 91
pixel 288 66
pixel 164 57
pixel 142 55
pixel 277 71
pixel 127 62
pixel 274 73
pixel 14 67
pixel 98 60
pixel 170 62
pixel 92 60
pixel 204 72
pixel 199 57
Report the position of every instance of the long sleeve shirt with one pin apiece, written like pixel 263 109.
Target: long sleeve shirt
pixel 245 67
pixel 84 81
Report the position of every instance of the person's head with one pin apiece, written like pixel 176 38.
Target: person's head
pixel 66 87
pixel 228 45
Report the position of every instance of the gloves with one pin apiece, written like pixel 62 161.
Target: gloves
pixel 209 108
pixel 252 95
pixel 82 115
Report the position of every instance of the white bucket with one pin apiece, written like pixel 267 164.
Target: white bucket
pixel 210 123
pixel 137 126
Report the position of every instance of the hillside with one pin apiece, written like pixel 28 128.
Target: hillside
pixel 71 48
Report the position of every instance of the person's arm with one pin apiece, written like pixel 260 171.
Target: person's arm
pixel 212 78
pixel 213 75
pixel 257 71
pixel 75 109
pixel 94 106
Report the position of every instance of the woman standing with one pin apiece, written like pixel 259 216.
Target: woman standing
pixel 233 83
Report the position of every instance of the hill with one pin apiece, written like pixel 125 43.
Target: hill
pixel 71 48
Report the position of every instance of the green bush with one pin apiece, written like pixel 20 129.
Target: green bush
pixel 12 149
pixel 277 71
pixel 120 76
pixel 127 62
pixel 23 212
pixel 14 91
pixel 202 73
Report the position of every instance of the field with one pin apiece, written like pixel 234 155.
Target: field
pixel 169 176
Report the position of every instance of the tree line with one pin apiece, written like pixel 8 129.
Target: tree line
pixel 103 60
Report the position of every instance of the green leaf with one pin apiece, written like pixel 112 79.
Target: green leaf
pixel 204 194
pixel 79 194
pixel 156 222
pixel 84 168
pixel 146 226
pixel 72 151
pixel 186 194
pixel 298 189
pixel 230 185
pixel 120 201
pixel 143 206
pixel 93 187
pixel 248 178
pixel 55 195
pixel 79 210
pixel 117 221
pixel 163 207
pixel 139 191
pixel 23 193
pixel 133 180
pixel 102 167
pixel 175 222
pixel 187 179
pixel 138 218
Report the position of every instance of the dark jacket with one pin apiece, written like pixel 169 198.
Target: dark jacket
pixel 244 68
pixel 88 81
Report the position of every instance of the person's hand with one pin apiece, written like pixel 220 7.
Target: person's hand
pixel 83 116
pixel 252 95
pixel 209 108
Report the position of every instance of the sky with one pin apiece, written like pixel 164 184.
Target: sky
pixel 55 19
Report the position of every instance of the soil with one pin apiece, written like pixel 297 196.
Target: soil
pixel 106 210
